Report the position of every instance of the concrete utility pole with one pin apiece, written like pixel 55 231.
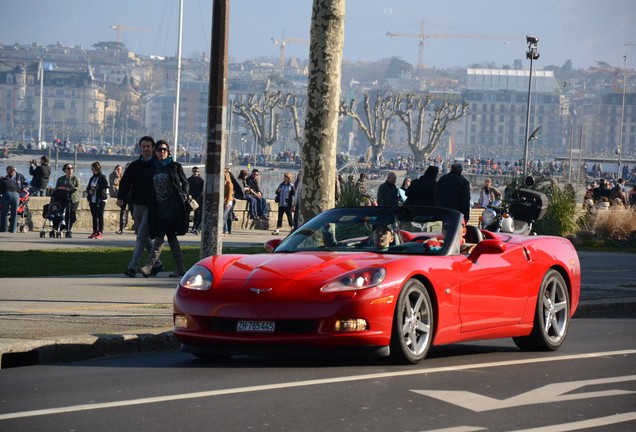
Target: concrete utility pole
pixel 215 153
pixel 323 100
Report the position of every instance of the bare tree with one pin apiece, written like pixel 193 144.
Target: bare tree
pixel 412 111
pixel 292 103
pixel 260 114
pixel 374 123
pixel 321 116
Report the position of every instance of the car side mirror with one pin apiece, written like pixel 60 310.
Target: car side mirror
pixel 490 247
pixel 270 245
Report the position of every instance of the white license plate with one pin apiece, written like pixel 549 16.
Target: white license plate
pixel 255 326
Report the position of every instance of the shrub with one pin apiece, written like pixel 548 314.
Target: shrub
pixel 617 223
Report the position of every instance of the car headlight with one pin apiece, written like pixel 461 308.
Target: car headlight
pixel 357 280
pixel 488 216
pixel 197 278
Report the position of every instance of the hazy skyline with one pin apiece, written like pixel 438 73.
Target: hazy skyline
pixel 584 31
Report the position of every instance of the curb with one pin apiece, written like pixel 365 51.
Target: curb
pixel 616 308
pixel 61 350
pixel 20 352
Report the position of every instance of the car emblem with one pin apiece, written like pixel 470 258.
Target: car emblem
pixel 260 290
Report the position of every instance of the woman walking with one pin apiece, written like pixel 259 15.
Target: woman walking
pixel 284 195
pixel 96 195
pixel 167 215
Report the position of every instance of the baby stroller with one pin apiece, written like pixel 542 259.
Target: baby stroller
pixel 25 222
pixel 56 213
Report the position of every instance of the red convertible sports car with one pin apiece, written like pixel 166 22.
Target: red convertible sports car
pixel 379 280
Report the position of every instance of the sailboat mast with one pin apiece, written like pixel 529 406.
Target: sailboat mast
pixel 175 133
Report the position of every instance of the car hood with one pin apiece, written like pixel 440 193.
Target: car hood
pixel 298 266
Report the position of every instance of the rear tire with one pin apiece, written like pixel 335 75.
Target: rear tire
pixel 413 324
pixel 552 316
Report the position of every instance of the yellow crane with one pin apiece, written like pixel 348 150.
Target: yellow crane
pixel 118 28
pixel 283 43
pixel 423 36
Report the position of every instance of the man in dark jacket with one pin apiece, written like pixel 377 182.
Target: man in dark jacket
pixel 261 203
pixel 196 191
pixel 41 175
pixel 422 190
pixel 453 191
pixel 138 180
pixel 387 192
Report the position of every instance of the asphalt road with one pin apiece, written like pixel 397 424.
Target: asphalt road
pixel 492 386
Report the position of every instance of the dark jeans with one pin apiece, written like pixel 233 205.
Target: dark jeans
pixel 123 216
pixel 97 212
pixel 281 212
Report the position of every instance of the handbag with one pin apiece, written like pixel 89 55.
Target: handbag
pixel 191 204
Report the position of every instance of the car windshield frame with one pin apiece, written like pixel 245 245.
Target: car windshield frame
pixel 414 231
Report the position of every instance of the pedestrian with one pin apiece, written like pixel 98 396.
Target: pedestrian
pixel 453 191
pixel 167 215
pixel 261 203
pixel 237 194
pixel 96 195
pixel 284 197
pixel 71 185
pixel 137 180
pixel 17 178
pixel 228 202
pixel 195 182
pixel 41 175
pixel 10 201
pixel 402 189
pixel 388 195
pixel 422 189
pixel 114 178
pixel 296 199
pixel 247 194
pixel 487 194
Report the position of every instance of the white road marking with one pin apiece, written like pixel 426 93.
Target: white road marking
pixel 268 387
pixel 563 427
pixel 551 393
pixel 585 424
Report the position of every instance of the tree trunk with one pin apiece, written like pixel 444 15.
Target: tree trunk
pixel 321 118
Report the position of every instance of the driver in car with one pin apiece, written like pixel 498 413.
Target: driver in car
pixel 383 237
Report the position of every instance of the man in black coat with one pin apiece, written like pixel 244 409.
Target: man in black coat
pixel 453 191
pixel 41 175
pixel 196 191
pixel 422 190
pixel 138 180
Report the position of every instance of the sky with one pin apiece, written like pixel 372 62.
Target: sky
pixel 583 31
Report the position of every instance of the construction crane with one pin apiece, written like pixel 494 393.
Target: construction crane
pixel 283 43
pixel 118 28
pixel 423 36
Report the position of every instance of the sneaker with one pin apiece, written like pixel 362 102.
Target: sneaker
pixel 130 272
pixel 145 272
pixel 119 232
pixel 155 270
pixel 98 236
pixel 276 232
pixel 92 235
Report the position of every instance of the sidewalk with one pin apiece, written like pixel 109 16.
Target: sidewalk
pixel 58 319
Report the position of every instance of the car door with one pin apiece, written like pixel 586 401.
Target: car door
pixel 494 290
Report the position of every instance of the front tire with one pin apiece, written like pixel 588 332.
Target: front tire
pixel 552 316
pixel 413 324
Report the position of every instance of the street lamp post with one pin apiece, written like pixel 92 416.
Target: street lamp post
pixel 620 130
pixel 531 54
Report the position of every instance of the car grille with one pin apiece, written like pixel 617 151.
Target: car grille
pixel 282 326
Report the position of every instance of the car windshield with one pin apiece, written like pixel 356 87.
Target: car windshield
pixel 394 230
